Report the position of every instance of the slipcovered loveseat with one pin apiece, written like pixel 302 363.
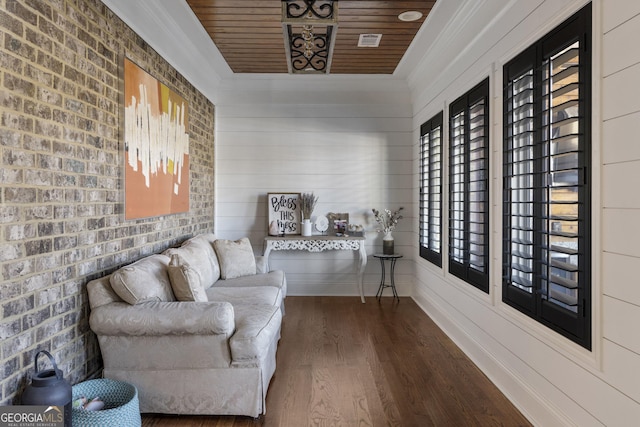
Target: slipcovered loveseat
pixel 195 329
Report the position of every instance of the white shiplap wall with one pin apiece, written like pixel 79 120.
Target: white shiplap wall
pixel 620 196
pixel 550 379
pixel 353 149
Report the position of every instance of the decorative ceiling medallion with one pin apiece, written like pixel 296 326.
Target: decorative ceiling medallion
pixel 309 28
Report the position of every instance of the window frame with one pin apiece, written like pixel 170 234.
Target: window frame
pixel 469 241
pixel 537 303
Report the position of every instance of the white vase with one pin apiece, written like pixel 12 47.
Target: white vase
pixel 388 244
pixel 274 228
pixel 306 227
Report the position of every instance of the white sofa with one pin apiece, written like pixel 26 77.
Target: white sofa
pixel 185 351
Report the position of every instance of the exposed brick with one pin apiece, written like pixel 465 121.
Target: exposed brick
pixel 17 344
pixel 64 211
pixel 20 195
pixel 51 30
pixel 9 214
pixel 37 38
pixel 48 195
pixel 49 295
pixel 38 247
pixel 46 229
pixel 38 110
pixel 48 129
pixel 74 75
pixel 17 121
pixel 8 22
pixel 64 242
pixel 36 143
pixel 9 366
pixel 64 117
pixel 88 97
pixel 18 158
pixel 64 86
pixel 50 97
pixel 50 329
pixel 49 261
pixel 17 9
pixel 17 269
pixel 87 38
pixel 64 306
pixel 61 176
pixel 38 177
pixel 62 275
pixel 35 318
pixel 11 176
pixel 62 180
pixel 10 252
pixel 37 282
pixel 16 46
pixel 95 223
pixel 90 181
pixel 74 226
pixel 17 306
pixel 17 232
pixel 38 212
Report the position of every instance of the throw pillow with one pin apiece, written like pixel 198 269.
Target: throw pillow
pixel 236 258
pixel 185 281
pixel 144 280
pixel 199 254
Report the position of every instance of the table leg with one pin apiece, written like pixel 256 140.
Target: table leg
pixel 267 251
pixel 363 264
pixel 393 281
pixel 382 279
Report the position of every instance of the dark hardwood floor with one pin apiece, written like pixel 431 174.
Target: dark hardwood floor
pixel 344 363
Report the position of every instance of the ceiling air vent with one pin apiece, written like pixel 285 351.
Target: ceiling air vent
pixel 369 40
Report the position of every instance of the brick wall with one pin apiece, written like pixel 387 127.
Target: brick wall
pixel 61 165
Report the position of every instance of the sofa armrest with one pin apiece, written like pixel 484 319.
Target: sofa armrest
pixel 163 318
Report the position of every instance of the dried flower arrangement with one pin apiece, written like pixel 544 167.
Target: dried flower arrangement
pixel 387 220
pixel 307 204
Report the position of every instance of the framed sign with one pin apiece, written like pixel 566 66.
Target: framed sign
pixel 284 208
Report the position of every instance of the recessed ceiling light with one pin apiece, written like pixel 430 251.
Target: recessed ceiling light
pixel 410 15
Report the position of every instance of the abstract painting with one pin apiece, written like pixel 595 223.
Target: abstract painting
pixel 156 146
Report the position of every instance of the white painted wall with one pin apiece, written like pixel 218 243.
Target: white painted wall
pixel 553 381
pixel 350 145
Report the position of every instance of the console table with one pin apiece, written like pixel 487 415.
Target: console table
pixel 319 244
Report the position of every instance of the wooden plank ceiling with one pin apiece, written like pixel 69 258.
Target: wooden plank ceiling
pixel 248 33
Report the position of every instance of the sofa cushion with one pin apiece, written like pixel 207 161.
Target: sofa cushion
pixel 275 278
pixel 144 280
pixel 266 295
pixel 199 254
pixel 185 281
pixel 257 326
pixel 236 258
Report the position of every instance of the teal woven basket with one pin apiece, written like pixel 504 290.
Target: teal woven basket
pixel 120 399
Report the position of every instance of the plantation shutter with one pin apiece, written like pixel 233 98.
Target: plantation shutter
pixel 546 168
pixel 468 187
pixel 431 190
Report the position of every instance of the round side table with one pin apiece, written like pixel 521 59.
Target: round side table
pixel 392 259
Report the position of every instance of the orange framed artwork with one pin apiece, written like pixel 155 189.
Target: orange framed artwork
pixel 156 144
